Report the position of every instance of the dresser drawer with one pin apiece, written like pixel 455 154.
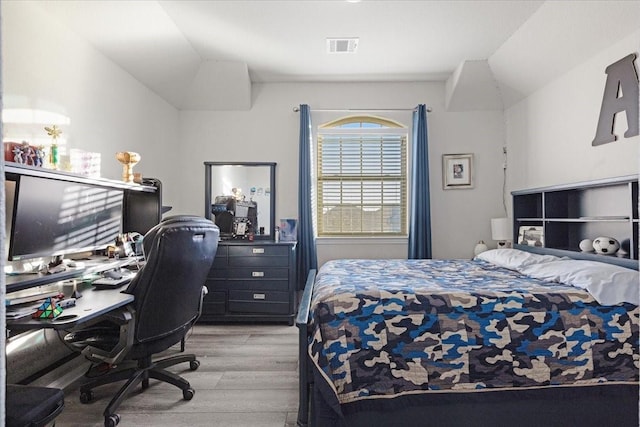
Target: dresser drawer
pixel 259 261
pixel 257 251
pixel 218 273
pixel 258 273
pixel 221 259
pixel 225 285
pixel 258 285
pixel 215 303
pixel 215 285
pixel 258 302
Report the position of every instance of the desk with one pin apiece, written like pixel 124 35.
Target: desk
pixel 93 303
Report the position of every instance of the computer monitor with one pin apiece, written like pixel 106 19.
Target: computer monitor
pixel 142 212
pixel 54 217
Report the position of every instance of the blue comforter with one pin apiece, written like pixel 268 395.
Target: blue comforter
pixel 381 328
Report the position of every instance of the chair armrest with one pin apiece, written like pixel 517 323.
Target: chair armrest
pixel 124 318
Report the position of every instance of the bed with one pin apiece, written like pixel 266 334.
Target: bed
pixel 509 338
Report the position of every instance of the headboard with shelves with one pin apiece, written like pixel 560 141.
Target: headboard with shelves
pixel 570 213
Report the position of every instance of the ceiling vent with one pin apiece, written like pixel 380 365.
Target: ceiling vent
pixel 342 45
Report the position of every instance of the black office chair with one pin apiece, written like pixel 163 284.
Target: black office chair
pixel 168 294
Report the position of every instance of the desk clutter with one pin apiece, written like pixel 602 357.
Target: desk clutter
pixel 113 279
pixel 48 308
pixel 50 302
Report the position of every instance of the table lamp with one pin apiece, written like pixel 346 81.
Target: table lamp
pixel 501 232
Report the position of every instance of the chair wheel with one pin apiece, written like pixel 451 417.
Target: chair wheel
pixel 111 420
pixel 194 365
pixel 86 396
pixel 188 393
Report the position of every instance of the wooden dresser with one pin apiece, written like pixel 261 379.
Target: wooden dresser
pixel 252 281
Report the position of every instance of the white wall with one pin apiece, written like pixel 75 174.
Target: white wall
pixel 549 133
pixel 269 132
pixel 45 66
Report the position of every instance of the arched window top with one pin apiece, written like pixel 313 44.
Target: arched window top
pixel 361 122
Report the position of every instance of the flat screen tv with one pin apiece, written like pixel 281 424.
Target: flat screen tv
pixel 55 217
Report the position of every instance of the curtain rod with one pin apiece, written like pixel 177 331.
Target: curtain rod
pixel 347 110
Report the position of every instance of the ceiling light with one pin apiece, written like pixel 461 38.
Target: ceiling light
pixel 342 45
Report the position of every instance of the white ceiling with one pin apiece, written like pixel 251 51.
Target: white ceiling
pixel 183 50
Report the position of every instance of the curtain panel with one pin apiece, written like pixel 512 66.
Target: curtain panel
pixel 307 254
pixel 419 199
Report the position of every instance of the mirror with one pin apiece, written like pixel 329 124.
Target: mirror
pixel 240 199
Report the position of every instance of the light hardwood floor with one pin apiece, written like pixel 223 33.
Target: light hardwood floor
pixel 247 377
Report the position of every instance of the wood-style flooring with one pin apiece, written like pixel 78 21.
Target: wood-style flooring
pixel 247 377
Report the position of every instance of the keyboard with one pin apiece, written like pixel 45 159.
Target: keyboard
pixel 111 283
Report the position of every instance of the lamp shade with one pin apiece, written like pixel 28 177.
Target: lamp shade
pixel 501 229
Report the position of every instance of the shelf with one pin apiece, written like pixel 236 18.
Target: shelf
pixel 580 219
pixel 93 265
pixel 587 256
pixel 587 219
pixel 570 213
pixel 18 169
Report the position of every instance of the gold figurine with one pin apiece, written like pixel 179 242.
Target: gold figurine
pixel 128 159
pixel 54 132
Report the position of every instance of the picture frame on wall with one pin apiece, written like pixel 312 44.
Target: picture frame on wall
pixel 457 171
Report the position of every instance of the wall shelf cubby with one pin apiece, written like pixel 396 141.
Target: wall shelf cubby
pixel 587 210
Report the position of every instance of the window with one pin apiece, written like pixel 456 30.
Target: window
pixel 362 178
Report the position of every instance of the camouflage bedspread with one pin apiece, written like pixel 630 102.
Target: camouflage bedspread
pixel 381 328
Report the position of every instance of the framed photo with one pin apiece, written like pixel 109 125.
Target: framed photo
pixel 531 236
pixel 457 171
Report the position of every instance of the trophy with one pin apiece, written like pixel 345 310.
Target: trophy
pixel 128 159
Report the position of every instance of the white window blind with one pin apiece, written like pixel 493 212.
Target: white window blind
pixel 362 182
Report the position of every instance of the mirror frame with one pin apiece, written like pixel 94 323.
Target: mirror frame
pixel 272 199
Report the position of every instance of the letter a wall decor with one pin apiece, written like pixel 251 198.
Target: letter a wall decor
pixel 620 94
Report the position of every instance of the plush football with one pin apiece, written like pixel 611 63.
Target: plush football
pixel 586 245
pixel 606 245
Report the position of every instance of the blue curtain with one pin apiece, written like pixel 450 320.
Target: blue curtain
pixel 419 203
pixel 307 256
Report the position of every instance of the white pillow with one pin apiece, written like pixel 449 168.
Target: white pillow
pixel 609 284
pixel 514 259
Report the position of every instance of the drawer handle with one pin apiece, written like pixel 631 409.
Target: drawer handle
pixel 259 296
pixel 257 274
pixel 258 250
